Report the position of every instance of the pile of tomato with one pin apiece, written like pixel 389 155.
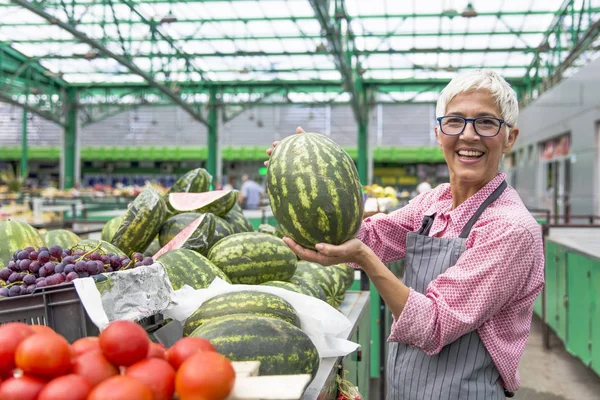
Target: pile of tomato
pixel 121 363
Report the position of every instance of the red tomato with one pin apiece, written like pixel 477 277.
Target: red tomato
pixel 86 344
pixel 157 375
pixel 44 355
pixel 42 329
pixel 185 348
pixel 206 375
pixel 124 343
pixel 120 388
pixel 157 350
pixel 23 388
pixel 11 335
pixel 66 387
pixel 94 367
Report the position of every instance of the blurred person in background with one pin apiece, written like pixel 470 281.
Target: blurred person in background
pixel 251 194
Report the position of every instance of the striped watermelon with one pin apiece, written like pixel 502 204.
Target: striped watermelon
pixel 347 273
pixel 105 247
pixel 61 237
pixel 218 202
pixel 186 267
pixel 292 287
pixel 200 239
pixel 271 230
pixel 222 229
pixel 281 348
pixel 253 258
pixel 338 289
pixel 153 248
pixel 314 189
pixel 315 290
pixel 16 235
pixel 238 220
pixel 142 222
pixel 323 277
pixel 195 181
pixel 244 302
pixel 111 227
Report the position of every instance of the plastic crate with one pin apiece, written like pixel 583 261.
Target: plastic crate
pixel 59 308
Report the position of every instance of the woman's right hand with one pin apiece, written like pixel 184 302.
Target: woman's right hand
pixel 270 150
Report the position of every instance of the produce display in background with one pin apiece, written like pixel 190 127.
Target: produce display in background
pixel 314 189
pixel 101 368
pixel 32 268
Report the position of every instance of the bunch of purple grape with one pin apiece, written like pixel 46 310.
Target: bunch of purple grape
pixel 30 269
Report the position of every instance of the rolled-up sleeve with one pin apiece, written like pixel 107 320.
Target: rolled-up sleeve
pixel 490 273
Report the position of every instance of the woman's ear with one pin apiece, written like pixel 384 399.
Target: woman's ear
pixel 437 136
pixel 511 138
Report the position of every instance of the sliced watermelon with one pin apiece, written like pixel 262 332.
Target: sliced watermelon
pixel 218 202
pixel 179 240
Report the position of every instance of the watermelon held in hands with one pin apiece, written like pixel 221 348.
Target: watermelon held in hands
pixel 218 202
pixel 143 220
pixel 314 189
pixel 17 235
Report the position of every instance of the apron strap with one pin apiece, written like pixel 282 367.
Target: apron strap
pixel 491 198
pixel 426 225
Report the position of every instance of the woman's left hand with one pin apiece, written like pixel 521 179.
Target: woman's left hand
pixel 352 251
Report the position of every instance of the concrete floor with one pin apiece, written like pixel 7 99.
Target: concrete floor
pixel 546 375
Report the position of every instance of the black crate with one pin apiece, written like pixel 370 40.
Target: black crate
pixel 59 308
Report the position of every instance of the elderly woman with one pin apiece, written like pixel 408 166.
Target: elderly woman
pixel 473 256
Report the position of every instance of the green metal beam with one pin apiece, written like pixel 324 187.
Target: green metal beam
pixel 27 66
pixel 435 50
pixel 108 53
pixel 311 18
pixel 286 37
pixel 24 158
pixel 69 155
pixel 213 132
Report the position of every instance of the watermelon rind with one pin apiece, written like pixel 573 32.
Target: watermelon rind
pixel 322 276
pixel 142 222
pixel 195 181
pixel 253 258
pixel 153 248
pixel 292 287
pixel 347 273
pixel 187 267
pixel 238 220
pixel 281 348
pixel 105 247
pixel 17 235
pixel 314 190
pixel 242 302
pixel 315 290
pixel 200 240
pixel 61 237
pixel 271 230
pixel 111 227
pixel 218 203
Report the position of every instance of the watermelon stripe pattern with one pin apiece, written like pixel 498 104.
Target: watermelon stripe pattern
pixel 314 190
pixel 292 287
pixel 61 237
pixel 244 302
pixel 281 348
pixel 16 235
pixel 195 181
pixel 238 220
pixel 111 227
pixel 105 247
pixel 200 240
pixel 253 258
pixel 186 267
pixel 142 222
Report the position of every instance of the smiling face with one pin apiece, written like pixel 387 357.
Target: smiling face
pixel 473 160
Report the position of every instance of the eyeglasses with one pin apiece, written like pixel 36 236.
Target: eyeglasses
pixel 484 126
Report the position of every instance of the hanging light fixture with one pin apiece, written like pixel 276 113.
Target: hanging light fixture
pixel 167 19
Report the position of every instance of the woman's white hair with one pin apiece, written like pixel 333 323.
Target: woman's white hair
pixel 469 81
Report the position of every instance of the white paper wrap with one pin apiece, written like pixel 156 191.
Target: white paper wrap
pixel 325 325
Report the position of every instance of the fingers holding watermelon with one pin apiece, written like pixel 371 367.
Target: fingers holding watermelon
pixel 352 251
pixel 275 143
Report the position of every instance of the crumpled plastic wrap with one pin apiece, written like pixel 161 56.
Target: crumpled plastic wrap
pixel 130 294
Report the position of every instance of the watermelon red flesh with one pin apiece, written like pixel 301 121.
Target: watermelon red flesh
pixel 182 237
pixel 218 202
pixel 314 190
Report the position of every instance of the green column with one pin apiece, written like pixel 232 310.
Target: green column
pixel 211 164
pixel 24 158
pixel 363 133
pixel 70 140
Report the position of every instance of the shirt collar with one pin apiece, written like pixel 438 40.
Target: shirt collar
pixel 461 214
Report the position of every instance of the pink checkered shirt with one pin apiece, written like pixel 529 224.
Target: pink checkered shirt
pixel 491 288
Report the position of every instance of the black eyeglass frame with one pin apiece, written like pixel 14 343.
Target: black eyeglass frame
pixel 472 121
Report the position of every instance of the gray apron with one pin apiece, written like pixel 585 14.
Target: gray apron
pixel 464 368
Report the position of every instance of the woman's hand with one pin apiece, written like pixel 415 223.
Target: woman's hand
pixel 270 150
pixel 352 251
